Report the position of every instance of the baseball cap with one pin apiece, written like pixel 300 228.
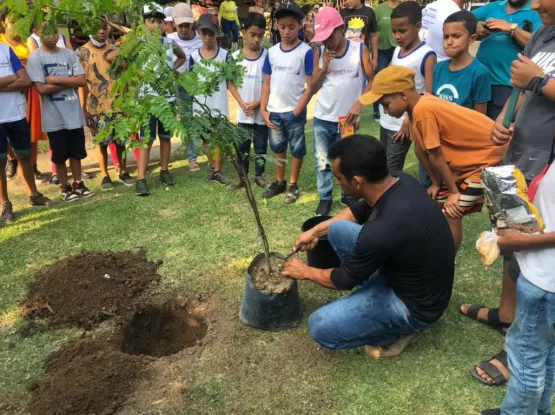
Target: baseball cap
pixel 182 13
pixel 290 8
pixel 154 10
pixel 208 21
pixel 327 20
pixel 390 80
pixel 168 13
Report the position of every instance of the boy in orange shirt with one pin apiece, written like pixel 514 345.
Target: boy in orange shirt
pixel 452 143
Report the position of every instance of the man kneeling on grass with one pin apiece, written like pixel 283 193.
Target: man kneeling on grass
pixel 395 247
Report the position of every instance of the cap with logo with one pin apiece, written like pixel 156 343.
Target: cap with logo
pixel 391 80
pixel 327 20
pixel 168 14
pixel 154 10
pixel 208 21
pixel 290 8
pixel 182 13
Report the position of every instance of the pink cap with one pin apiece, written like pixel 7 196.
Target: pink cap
pixel 327 20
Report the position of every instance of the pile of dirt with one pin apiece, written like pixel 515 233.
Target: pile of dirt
pixel 86 377
pixel 269 282
pixel 161 331
pixel 89 288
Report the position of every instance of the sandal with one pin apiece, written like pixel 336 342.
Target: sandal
pixel 491 370
pixel 493 316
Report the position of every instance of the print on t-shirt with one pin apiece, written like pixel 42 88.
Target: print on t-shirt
pixel 448 92
pixel 545 60
pixel 355 28
pixel 62 70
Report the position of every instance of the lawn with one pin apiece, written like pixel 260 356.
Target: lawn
pixel 206 236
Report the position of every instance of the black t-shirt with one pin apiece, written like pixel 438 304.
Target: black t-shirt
pixel 359 23
pixel 406 236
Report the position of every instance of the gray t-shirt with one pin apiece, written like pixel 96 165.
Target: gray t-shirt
pixel 532 140
pixel 61 110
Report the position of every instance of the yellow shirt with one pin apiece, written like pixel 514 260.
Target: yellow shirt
pixel 228 11
pixel 21 50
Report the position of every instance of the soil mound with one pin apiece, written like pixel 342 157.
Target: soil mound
pixel 270 282
pixel 161 331
pixel 86 377
pixel 89 288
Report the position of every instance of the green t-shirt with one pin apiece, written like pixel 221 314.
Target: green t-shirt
pixel 383 17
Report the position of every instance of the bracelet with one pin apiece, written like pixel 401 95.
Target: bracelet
pixel 536 83
pixel 544 83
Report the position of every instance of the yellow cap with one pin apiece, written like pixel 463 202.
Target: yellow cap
pixel 391 80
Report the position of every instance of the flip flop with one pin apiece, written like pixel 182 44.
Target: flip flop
pixel 493 316
pixel 491 370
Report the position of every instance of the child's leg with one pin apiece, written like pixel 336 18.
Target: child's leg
pixel 278 144
pixel 102 154
pixel 456 230
pixel 165 146
pixel 325 133
pixel 114 154
pixel 529 344
pixel 20 137
pixel 53 165
pixel 34 154
pixel 260 148
pixel 120 157
pixel 3 180
pixel 297 144
pixel 396 150
pixel 144 153
pixel 76 151
pixel 245 146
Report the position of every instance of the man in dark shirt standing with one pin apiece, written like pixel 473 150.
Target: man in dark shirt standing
pixel 361 26
pixel 395 247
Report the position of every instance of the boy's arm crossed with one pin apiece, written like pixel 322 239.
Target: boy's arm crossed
pixel 77 81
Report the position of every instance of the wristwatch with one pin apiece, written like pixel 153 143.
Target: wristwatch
pixel 514 26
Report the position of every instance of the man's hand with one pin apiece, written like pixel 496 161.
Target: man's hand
pixel 266 116
pixel 403 133
pixel 354 113
pixel 498 25
pixel 482 31
pixel 511 240
pixel 306 241
pixel 296 269
pixel 501 135
pixel 451 206
pixel 523 70
pixel 433 191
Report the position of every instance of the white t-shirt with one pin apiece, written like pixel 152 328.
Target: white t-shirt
pixel 433 16
pixel 13 104
pixel 218 100
pixel 342 85
pixel 538 266
pixel 61 41
pixel 288 70
pixel 148 89
pixel 252 86
pixel 188 46
pixel 415 61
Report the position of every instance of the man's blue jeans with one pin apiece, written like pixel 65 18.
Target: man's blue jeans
pixel 372 314
pixel 530 346
pixel 325 133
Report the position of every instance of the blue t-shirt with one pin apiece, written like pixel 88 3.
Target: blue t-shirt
pixel 499 50
pixel 465 87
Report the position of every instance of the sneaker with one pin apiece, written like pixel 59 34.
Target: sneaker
pixel 54 180
pixel 260 181
pixel 106 184
pixel 81 190
pixel 274 189
pixel 239 184
pixel 68 195
pixel 11 169
pixel 7 213
pixel 126 179
pixel 210 175
pixel 220 178
pixel 39 177
pixel 292 193
pixel 86 175
pixel 40 200
pixel 141 188
pixel 166 178
pixel 347 201
pixel 194 166
pixel 324 208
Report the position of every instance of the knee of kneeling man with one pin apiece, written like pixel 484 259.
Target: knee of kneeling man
pixel 319 331
pixel 336 228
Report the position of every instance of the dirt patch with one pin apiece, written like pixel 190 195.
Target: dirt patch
pixel 272 282
pixel 161 331
pixel 88 376
pixel 86 289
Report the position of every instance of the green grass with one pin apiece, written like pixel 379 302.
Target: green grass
pixel 206 235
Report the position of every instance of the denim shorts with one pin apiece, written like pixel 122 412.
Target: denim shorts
pixel 155 126
pixel 19 136
pixel 289 129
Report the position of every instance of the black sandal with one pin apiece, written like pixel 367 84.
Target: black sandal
pixel 493 316
pixel 491 370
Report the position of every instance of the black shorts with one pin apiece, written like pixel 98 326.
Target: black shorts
pixel 67 144
pixel 19 136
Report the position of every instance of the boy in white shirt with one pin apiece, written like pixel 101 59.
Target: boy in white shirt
pixel 287 67
pixel 248 97
pixel 341 67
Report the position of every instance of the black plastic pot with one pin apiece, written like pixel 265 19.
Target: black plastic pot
pixel 269 311
pixel 322 256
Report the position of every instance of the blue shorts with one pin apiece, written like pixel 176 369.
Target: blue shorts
pixel 289 129
pixel 19 135
pixel 155 126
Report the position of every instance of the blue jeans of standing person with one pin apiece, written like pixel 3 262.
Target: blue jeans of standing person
pixel 289 129
pixel 259 134
pixel 384 59
pixel 325 133
pixel 372 314
pixel 530 346
pixel 230 26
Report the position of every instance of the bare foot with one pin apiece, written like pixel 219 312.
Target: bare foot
pixel 504 371
pixel 393 350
